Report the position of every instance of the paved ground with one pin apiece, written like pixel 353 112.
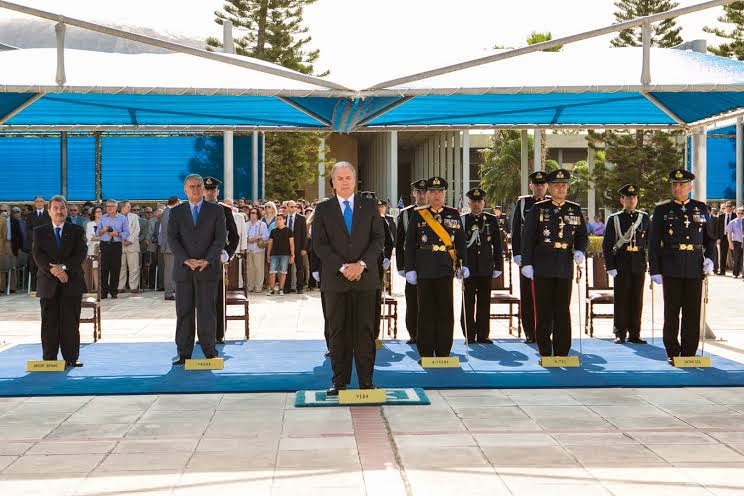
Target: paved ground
pixel 490 442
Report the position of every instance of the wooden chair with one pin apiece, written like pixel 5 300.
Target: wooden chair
pixel 389 314
pixel 92 299
pixel 235 296
pixel 503 294
pixel 598 291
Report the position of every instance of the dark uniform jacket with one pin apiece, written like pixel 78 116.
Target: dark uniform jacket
pixel 631 256
pixel 425 252
pixel 483 239
pixel 679 239
pixel 403 221
pixel 71 253
pixel 233 237
pixel 521 209
pixel 390 232
pixel 551 235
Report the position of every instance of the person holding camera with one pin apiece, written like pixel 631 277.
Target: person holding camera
pixel 112 231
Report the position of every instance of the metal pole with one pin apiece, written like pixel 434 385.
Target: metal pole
pixel 739 161
pixel 393 168
pixel 699 166
pixel 465 163
pixel 591 192
pixel 525 172
pixel 59 30
pixel 537 152
pixel 99 168
pixel 228 189
pixel 254 166
pixel 321 169
pixel 646 66
pixel 63 163
pixel 263 166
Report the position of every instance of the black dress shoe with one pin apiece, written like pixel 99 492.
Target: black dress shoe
pixel 472 341
pixel 333 390
pixel 670 361
pixel 180 361
pixel 104 296
pixel 484 341
pixel 411 341
pixel 221 341
pixel 366 386
pixel 637 341
pixel 327 353
pixel 170 298
pixel 114 297
pixel 299 291
pixel 530 341
pixel 209 357
pixel 619 340
pixel 74 364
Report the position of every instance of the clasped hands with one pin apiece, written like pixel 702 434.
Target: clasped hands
pixel 58 272
pixel 194 264
pixel 352 271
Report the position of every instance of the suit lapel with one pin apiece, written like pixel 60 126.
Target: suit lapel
pixel 66 237
pixel 357 212
pixel 336 209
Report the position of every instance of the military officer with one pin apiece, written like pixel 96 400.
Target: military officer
pixel 539 188
pixel 680 254
pixel 434 253
pixel 483 238
pixel 624 248
pixel 384 260
pixel 503 220
pixel 554 238
pixel 418 194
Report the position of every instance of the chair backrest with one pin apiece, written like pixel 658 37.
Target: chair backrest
pixel 90 274
pixel 504 281
pixel 233 272
pixel 597 278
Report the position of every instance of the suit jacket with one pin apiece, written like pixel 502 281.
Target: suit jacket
pixel 390 232
pixel 205 241
pixel 335 246
pixel 163 231
pixel 133 220
pixel 720 227
pixel 71 253
pixel 16 236
pixel 233 237
pixel 32 222
pixel 299 232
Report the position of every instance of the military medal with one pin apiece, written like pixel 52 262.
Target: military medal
pixel 561 225
pixel 687 222
pixel 424 238
pixel 546 233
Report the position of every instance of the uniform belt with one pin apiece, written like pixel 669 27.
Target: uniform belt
pixel 631 248
pixel 434 247
pixel 561 246
pixel 686 247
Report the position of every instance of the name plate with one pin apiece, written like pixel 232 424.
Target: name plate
pixel 205 364
pixel 361 396
pixel 692 362
pixel 45 366
pixel 560 361
pixel 440 362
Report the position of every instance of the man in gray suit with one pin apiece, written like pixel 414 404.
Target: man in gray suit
pixel 166 252
pixel 196 235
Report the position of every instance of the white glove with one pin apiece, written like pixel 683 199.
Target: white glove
pixel 385 263
pixel 316 276
pixel 579 257
pixel 224 257
pixel 612 273
pixel 462 274
pixel 518 260
pixel 707 266
pixel 496 273
pixel 411 277
pixel 402 273
pixel 656 279
pixel 528 272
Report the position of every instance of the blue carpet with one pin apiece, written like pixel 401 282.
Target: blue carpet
pixel 263 365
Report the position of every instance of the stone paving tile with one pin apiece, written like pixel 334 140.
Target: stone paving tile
pixel 14 448
pixel 41 485
pixel 6 460
pixel 166 430
pixel 672 438
pixel 71 447
pixel 138 462
pixel 529 456
pixel 239 483
pixel 155 445
pixel 71 431
pixel 621 455
pixel 592 438
pixel 144 482
pixel 54 464
pixel 711 453
pixel 435 440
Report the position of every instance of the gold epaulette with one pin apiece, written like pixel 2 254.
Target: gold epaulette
pixel 664 202
pixel 422 207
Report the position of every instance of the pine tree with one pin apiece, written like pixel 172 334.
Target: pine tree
pixel 733 13
pixel 664 33
pixel 272 30
pixel 536 37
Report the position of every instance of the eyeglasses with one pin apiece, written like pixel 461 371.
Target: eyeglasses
pixel 254 212
pixel 3 211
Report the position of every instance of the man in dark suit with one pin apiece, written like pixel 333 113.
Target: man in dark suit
pixel 348 235
pixel 726 216
pixel 59 250
pixel 297 224
pixel 37 217
pixel 196 234
pixel 211 193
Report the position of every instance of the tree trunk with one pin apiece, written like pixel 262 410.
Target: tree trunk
pixel 261 34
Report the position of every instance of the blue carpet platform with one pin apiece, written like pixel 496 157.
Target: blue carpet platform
pixel 262 365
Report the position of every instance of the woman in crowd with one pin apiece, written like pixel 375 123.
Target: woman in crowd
pixel 90 230
pixel 258 235
pixel 269 218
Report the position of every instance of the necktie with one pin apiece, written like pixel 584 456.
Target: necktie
pixel 347 215
pixel 291 222
pixel 195 214
pixel 58 236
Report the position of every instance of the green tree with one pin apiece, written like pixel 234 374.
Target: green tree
pixel 272 30
pixel 664 33
pixel 644 158
pixel 500 172
pixel 536 37
pixel 733 13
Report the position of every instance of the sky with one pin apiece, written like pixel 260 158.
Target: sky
pixel 359 35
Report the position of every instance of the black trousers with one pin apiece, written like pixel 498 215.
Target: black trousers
pixel 195 303
pixel 351 319
pixel 722 262
pixel 219 311
pixel 682 295
pixel 60 326
pixel 326 327
pixel 628 304
pixel 411 310
pixel 477 309
pixel 527 307
pixel 552 303
pixel 110 267
pixel 436 317
pixel 737 258
pixel 299 274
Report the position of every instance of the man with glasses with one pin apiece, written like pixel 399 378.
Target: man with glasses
pixel 297 224
pixel 735 235
pixel 112 231
pixel 37 216
pixel 75 217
